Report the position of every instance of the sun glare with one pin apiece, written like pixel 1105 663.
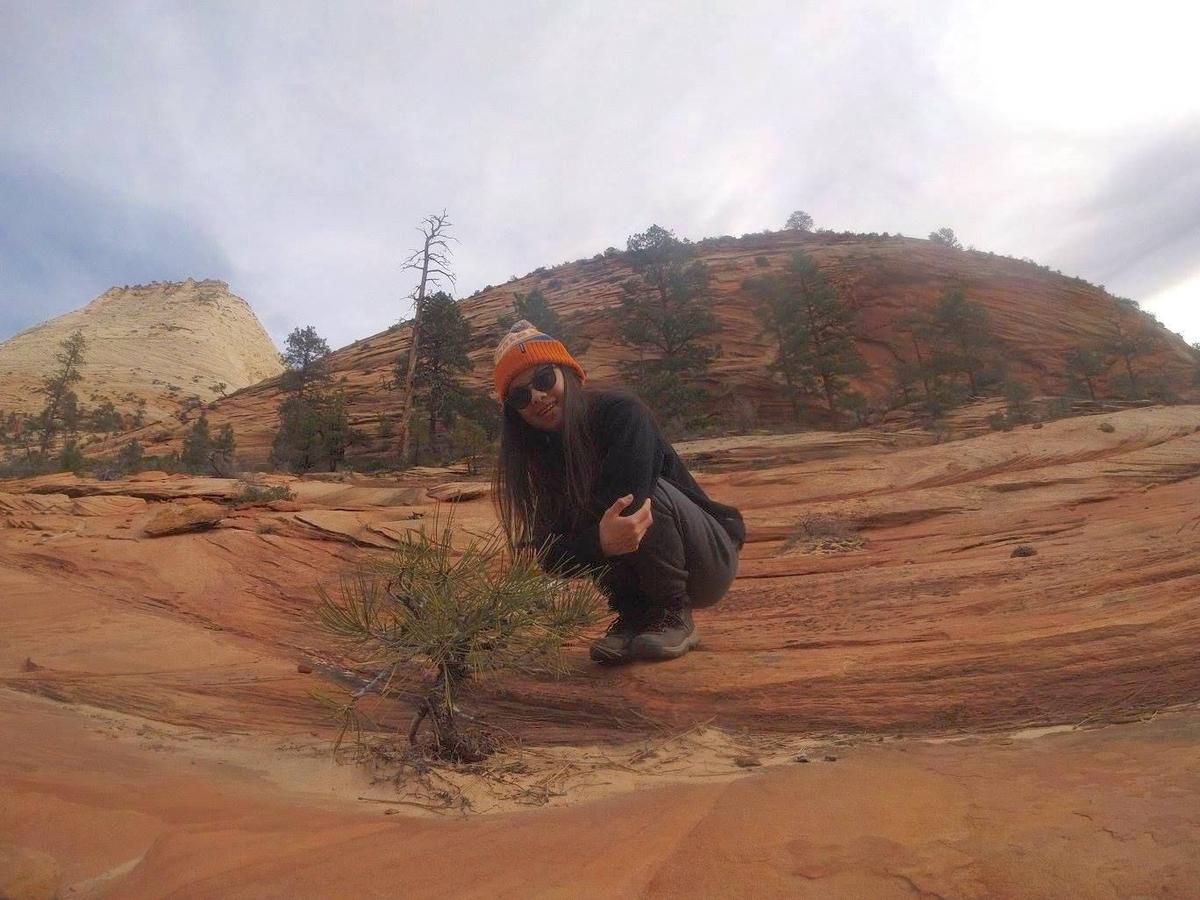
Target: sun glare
pixel 1080 68
pixel 1179 307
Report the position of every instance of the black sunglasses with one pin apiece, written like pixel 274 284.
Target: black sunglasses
pixel 543 379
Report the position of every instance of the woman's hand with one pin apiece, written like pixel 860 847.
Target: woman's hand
pixel 623 534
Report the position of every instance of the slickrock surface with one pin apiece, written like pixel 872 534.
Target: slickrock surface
pixel 180 518
pixel 160 735
pixel 94 808
pixel 1036 317
pixel 161 342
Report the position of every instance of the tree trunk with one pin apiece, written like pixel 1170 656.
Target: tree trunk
pixel 438 707
pixel 816 338
pixel 968 369
pixel 407 395
pixel 922 367
pixel 433 422
pixel 786 365
pixel 48 423
pixel 432 260
pixel 1132 380
pixel 792 397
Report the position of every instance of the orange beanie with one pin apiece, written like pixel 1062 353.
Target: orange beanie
pixel 525 346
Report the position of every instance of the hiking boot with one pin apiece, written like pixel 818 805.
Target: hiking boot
pixel 670 635
pixel 614 646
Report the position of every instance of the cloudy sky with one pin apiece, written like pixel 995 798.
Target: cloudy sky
pixel 290 148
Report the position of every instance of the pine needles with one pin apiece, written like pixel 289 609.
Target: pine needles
pixel 456 612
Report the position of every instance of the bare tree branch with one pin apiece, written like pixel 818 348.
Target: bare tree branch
pixel 432 260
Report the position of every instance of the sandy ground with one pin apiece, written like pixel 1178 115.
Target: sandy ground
pixel 160 738
pixel 1108 812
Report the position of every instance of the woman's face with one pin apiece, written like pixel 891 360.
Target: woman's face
pixel 545 409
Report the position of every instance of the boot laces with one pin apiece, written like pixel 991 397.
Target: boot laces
pixel 623 622
pixel 670 618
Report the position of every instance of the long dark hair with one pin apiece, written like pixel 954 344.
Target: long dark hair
pixel 534 491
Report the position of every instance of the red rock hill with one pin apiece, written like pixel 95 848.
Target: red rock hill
pixel 1036 316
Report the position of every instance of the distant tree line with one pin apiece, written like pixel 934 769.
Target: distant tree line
pixel 666 316
pixel 48 440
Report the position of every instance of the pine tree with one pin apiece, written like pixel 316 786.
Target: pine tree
pixel 778 313
pixel 432 262
pixel 920 331
pixel 945 236
pixel 105 418
pixel 71 459
pixel 964 336
pixel 221 458
pixel 536 309
pixel 225 442
pixel 799 221
pixel 441 360
pixel 1129 337
pixel 455 613
pixel 1085 365
pixel 812 330
pixel 305 354
pixel 1017 395
pixel 129 457
pixel 296 446
pixel 61 408
pixel 334 429
pixel 197 445
pixel 469 439
pixel 666 313
pixel 314 433
pixel 314 429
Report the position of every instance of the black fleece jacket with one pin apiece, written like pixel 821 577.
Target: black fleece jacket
pixel 633 455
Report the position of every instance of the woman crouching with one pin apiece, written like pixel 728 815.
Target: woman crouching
pixel 588 476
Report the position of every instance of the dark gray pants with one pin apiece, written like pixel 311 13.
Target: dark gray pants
pixel 685 559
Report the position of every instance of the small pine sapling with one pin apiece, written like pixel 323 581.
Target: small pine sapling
pixel 455 614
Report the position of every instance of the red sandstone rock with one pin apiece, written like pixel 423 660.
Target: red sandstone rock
pixel 179 518
pixel 459 491
pixel 929 628
pixel 165 487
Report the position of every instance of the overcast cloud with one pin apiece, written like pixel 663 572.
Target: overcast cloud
pixel 290 148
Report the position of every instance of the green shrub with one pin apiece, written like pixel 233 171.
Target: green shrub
pixel 452 614
pixel 71 459
pixel 129 459
pixel 469 441
pixel 27 466
pixel 1017 395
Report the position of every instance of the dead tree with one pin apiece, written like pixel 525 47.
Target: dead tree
pixel 432 261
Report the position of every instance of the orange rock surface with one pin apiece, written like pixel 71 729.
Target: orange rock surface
pixel 161 737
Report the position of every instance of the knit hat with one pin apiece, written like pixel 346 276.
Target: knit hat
pixel 525 346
